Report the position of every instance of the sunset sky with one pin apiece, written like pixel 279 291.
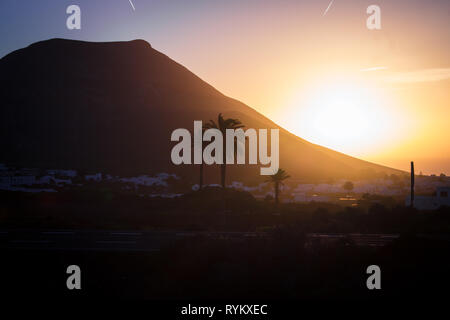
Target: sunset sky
pixel 380 95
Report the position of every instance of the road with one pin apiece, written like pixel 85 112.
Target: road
pixel 147 241
pixel 83 240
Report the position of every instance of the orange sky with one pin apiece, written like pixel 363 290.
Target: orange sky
pixel 275 59
pixel 288 60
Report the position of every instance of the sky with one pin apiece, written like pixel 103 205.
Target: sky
pixel 311 66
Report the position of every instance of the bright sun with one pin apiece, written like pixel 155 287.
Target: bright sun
pixel 344 116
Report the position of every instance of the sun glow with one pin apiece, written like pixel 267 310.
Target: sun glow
pixel 346 116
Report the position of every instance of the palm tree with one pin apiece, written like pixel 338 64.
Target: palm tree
pixel 223 124
pixel 277 180
pixel 201 177
pixel 200 182
pixel 348 185
pixel 202 164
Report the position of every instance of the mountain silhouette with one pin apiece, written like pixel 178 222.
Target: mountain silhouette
pixel 111 107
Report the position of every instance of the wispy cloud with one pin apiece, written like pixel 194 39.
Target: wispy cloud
pixel 424 75
pixel 328 8
pixel 373 69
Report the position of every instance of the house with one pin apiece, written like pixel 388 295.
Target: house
pixel 442 198
pixel 23 180
pixel 8 179
pixel 5 180
pixel 93 177
pixel 303 197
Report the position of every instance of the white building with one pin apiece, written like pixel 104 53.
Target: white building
pixel 5 181
pixel 22 180
pixel 93 177
pixel 303 197
pixel 442 198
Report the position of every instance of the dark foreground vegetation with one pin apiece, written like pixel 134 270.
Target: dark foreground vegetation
pixel 211 209
pixel 283 266
pixel 279 269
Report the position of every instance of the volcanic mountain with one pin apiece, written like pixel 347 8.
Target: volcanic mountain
pixel 111 107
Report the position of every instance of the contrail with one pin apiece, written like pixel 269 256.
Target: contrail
pixel 132 5
pixel 328 8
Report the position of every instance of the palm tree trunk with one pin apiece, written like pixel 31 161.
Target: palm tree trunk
pixel 276 193
pixel 201 176
pixel 223 169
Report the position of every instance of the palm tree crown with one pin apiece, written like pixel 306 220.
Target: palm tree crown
pixel 277 180
pixel 222 125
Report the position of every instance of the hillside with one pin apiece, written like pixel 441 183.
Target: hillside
pixel 111 107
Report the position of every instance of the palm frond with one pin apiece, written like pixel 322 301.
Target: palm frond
pixel 279 177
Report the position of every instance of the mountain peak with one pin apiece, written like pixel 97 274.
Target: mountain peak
pixel 69 42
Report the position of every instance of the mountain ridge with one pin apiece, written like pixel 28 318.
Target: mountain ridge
pixel 116 96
